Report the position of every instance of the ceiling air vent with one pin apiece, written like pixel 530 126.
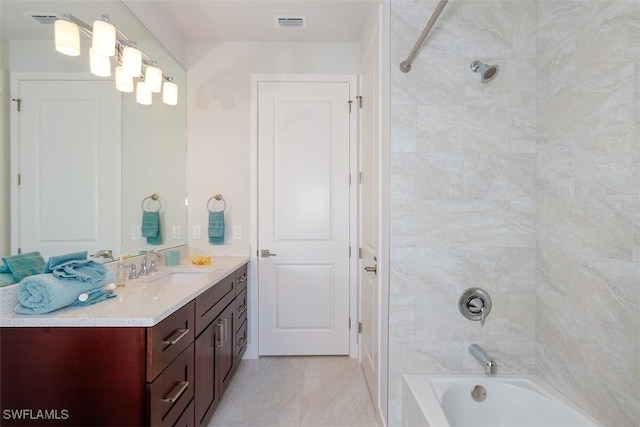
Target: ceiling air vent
pixel 43 18
pixel 291 21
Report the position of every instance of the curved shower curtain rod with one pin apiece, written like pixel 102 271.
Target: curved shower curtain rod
pixel 405 66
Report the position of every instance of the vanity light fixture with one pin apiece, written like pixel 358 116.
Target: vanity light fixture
pixel 99 65
pixel 153 78
pixel 67 37
pixel 124 82
pixel 108 41
pixel 170 93
pixel 143 94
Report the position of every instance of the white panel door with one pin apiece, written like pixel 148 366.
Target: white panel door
pixel 369 220
pixel 69 148
pixel 303 219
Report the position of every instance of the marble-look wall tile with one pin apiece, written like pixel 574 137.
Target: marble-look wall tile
pixel 544 209
pixel 463 187
pixel 588 165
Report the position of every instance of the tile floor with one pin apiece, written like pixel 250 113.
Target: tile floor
pixel 297 392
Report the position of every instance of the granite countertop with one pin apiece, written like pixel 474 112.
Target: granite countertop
pixel 142 302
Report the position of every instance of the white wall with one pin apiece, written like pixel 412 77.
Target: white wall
pixel 219 130
pixel 218 121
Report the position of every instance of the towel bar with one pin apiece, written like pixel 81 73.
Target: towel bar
pixel 217 197
pixel 153 197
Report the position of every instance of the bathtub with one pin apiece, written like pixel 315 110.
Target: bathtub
pixel 509 401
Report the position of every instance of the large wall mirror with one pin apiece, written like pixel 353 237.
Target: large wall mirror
pixel 113 184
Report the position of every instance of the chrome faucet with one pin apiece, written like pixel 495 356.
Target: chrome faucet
pixel 152 268
pixel 491 365
pixel 104 253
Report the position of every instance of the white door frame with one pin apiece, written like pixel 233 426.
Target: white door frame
pixel 253 296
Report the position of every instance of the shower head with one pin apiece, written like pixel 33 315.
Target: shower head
pixel 487 72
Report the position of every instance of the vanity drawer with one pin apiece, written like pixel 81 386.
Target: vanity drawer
pixel 172 392
pixel 241 308
pixel 215 299
pixel 241 279
pixel 168 339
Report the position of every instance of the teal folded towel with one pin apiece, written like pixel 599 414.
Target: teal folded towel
pixel 57 260
pixel 23 265
pixel 43 293
pixel 151 227
pixel 94 296
pixel 7 279
pixel 75 266
pixel 216 228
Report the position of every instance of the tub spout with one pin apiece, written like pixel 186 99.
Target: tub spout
pixel 491 365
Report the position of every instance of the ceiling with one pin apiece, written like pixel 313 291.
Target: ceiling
pixel 202 20
pixel 253 20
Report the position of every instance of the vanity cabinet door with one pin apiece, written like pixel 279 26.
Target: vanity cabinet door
pixel 207 388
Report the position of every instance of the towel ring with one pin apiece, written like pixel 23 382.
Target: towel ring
pixel 218 197
pixel 153 197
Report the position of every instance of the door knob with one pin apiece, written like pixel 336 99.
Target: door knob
pixel 373 269
pixel 264 253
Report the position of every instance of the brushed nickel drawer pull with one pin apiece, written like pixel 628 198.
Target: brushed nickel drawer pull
pixel 176 392
pixel 242 309
pixel 176 336
pixel 241 342
pixel 220 342
pixel 242 279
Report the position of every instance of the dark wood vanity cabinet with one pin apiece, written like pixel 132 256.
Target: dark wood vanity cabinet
pixel 216 346
pixel 172 374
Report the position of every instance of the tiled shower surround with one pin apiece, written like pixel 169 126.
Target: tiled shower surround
pixel 528 187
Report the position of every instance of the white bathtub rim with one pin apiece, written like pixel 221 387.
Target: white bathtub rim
pixel 433 384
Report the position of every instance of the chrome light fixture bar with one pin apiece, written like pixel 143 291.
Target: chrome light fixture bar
pixel 107 41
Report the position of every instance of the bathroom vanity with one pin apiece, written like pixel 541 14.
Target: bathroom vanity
pixel 161 353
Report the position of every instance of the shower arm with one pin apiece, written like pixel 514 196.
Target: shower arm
pixel 405 66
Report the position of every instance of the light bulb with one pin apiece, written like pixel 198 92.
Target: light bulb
pixel 143 94
pixel 153 78
pixel 132 61
pixel 170 93
pixel 124 82
pixel 100 65
pixel 67 36
pixel 103 40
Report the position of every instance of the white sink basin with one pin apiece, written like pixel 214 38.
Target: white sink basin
pixel 178 278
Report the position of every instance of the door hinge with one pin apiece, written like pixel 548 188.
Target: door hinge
pixel 359 253
pixel 349 322
pixel 18 103
pixel 359 177
pixel 19 179
pixel 350 102
pixel 349 251
pixel 359 98
pixel 359 327
pixel 19 251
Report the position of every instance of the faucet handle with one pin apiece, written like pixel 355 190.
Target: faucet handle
pixel 152 267
pixel 134 274
pixel 143 268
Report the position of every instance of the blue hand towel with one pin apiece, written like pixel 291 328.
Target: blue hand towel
pixel 151 227
pixel 23 265
pixel 43 293
pixel 216 228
